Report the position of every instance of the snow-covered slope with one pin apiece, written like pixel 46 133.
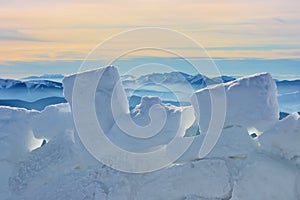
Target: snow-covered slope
pixel 239 167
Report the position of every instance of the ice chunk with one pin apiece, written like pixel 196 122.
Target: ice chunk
pixel 250 102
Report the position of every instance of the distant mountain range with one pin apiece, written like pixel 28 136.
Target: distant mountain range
pixel 134 100
pixel 286 82
pixel 51 77
pixel 31 84
pixel 29 90
pixel 36 105
pixel 197 81
pixel 43 81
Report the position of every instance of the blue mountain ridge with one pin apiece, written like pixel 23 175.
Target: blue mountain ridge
pixel 24 87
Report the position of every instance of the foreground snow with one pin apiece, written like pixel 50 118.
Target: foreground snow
pixel 239 167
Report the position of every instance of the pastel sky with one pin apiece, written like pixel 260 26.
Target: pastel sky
pixel 40 33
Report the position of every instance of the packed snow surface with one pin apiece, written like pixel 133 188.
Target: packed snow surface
pixel 239 167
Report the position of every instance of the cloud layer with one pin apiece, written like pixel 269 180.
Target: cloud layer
pixel 72 28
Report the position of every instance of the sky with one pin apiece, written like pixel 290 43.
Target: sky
pixel 242 36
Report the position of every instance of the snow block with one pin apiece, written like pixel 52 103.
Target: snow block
pixel 251 102
pixel 52 121
pixel 16 137
pixel 283 139
pixel 109 93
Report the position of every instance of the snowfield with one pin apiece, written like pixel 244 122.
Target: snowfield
pixel 42 156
